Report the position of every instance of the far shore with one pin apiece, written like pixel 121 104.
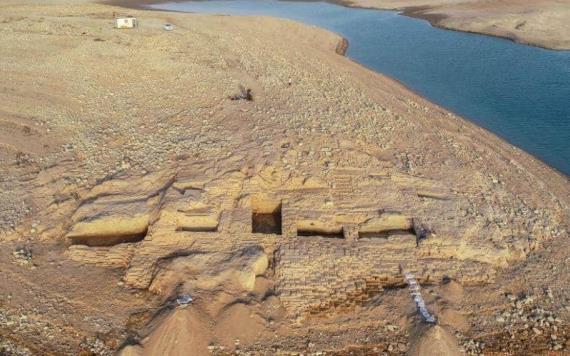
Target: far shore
pixel 480 21
pixel 528 26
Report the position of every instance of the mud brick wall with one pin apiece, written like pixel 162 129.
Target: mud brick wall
pixel 316 274
pixel 350 232
pixel 240 220
pixel 288 220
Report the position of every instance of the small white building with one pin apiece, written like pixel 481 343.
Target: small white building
pixel 126 22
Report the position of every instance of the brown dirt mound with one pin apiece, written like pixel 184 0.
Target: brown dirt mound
pixel 182 333
pixel 434 341
pixel 452 292
pixel 238 322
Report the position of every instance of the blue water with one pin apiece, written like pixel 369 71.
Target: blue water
pixel 519 92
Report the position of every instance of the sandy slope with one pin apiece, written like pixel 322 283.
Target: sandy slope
pixel 542 23
pixel 123 135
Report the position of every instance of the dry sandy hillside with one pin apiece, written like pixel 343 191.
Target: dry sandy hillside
pixel 129 180
pixel 543 23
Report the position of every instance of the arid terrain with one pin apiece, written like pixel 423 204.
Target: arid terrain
pixel 129 181
pixel 542 23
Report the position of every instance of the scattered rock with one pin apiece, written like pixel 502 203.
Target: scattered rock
pixel 22 256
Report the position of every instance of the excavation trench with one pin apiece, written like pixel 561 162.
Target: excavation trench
pixel 384 234
pixel 109 240
pixel 197 229
pixel 322 233
pixel 266 223
pixel 393 225
pixel 266 216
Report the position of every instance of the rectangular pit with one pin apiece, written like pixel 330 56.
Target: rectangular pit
pixel 308 228
pixel 109 240
pixel 386 233
pixel 266 223
pixel 266 216
pixel 326 234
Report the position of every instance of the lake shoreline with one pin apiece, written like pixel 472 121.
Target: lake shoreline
pixel 437 20
pixel 341 49
pixel 440 17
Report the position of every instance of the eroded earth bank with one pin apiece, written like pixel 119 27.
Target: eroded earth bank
pixel 130 180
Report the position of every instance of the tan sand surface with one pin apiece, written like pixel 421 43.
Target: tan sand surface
pixel 128 179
